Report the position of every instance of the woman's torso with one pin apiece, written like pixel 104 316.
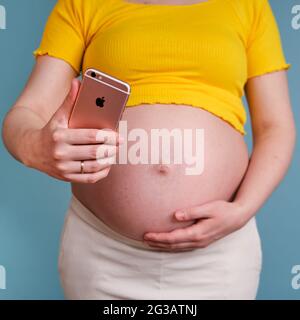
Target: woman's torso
pixel 138 198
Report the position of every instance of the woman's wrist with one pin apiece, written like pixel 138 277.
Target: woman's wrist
pixel 246 209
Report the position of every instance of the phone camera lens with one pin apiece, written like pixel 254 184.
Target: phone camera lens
pixel 93 74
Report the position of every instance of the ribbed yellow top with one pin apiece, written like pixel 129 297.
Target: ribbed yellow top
pixel 198 54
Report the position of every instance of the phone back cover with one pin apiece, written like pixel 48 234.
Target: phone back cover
pixel 98 106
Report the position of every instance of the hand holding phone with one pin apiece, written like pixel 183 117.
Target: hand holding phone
pixel 59 151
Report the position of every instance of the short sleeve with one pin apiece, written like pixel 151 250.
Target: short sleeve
pixel 63 36
pixel 264 48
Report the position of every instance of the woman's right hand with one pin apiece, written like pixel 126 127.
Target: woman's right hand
pixel 58 150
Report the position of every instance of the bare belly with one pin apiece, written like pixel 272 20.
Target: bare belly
pixel 138 198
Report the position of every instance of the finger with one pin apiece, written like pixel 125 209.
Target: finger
pixel 86 136
pixel 198 212
pixel 87 177
pixel 62 115
pixel 108 136
pixel 90 166
pixel 86 152
pixel 187 234
pixel 183 246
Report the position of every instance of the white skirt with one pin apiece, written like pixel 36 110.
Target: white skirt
pixel 98 263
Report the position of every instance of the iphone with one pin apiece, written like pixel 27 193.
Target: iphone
pixel 100 102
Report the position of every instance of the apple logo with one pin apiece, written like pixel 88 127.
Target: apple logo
pixel 100 102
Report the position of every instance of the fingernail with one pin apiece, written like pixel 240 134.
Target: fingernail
pixel 180 215
pixel 100 137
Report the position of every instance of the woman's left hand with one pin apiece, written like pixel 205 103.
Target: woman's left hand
pixel 214 220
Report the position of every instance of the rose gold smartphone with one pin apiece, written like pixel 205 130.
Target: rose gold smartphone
pixel 100 102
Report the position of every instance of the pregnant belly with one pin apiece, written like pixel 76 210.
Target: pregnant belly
pixel 142 197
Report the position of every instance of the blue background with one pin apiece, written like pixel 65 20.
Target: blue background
pixel 33 205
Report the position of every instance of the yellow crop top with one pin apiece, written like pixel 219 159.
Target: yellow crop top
pixel 197 54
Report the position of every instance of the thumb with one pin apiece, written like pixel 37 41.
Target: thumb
pixel 64 111
pixel 198 212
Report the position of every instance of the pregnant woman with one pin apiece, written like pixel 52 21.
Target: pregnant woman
pixel 151 231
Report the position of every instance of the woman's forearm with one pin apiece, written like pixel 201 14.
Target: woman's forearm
pixel 18 124
pixel 271 156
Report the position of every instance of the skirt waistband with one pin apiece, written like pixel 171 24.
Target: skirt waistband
pixel 84 213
